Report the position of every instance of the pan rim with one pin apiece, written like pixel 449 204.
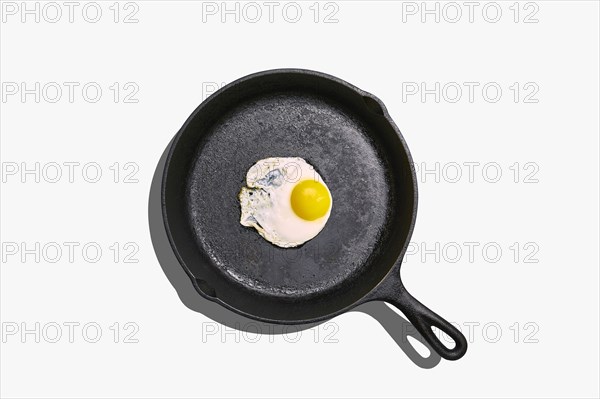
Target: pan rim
pixel 394 268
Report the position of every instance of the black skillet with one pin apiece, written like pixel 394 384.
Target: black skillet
pixel 351 140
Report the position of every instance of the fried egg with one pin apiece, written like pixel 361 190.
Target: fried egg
pixel 285 200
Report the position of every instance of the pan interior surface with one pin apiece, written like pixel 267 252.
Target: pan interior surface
pixel 348 142
pixel 289 125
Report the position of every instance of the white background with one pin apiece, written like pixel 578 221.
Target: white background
pixel 172 55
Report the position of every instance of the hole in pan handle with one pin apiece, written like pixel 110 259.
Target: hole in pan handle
pixel 422 317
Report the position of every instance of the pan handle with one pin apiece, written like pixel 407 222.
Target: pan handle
pixel 392 291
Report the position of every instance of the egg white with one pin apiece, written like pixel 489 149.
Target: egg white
pixel 266 201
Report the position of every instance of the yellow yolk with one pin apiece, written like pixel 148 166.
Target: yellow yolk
pixel 310 200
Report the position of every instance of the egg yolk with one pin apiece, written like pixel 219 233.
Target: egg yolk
pixel 310 200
